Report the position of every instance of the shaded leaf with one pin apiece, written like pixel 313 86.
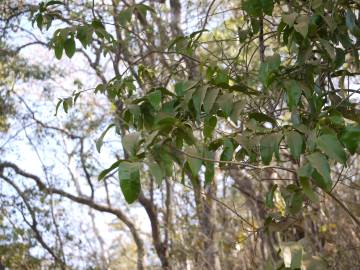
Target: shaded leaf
pixel 321 164
pixel 129 177
pixel 331 146
pixel 295 142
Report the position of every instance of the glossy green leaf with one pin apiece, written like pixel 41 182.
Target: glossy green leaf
pixel 331 146
pixel 129 177
pixel 228 150
pixel 58 48
pixel 69 46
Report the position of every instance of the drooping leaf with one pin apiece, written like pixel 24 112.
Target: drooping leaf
pixel 69 46
pixel 209 126
pixel 228 150
pixel 308 191
pixel 105 172
pixel 269 144
pixel 58 49
pixel 210 97
pixel 129 177
pixel 295 142
pixel 156 172
pixel 194 163
pixel 351 138
pixel 99 142
pixel 321 164
pixel 331 146
pixel 225 102
pixel 209 167
pixel 293 91
pixel 125 16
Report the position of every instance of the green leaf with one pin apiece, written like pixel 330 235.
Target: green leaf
pixel 289 19
pixel 237 109
pixel 331 146
pixel 351 138
pixel 84 35
pixel 320 163
pixel 58 48
pixel 228 150
pixel 209 126
pixel 156 172
pixel 53 2
pixel 267 6
pixel 129 177
pixel 225 102
pixel 99 142
pixel 295 142
pixel 328 48
pixel 69 46
pixel 198 98
pixel 210 97
pixel 296 203
pixel 308 191
pixel 269 144
pixel 155 99
pixel 194 163
pixel 125 16
pixel 293 91
pixel 269 201
pixel 58 106
pixel 253 7
pixel 350 20
pixel 209 167
pixel 108 170
pixel 302 25
pixel 130 143
pixel 305 171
